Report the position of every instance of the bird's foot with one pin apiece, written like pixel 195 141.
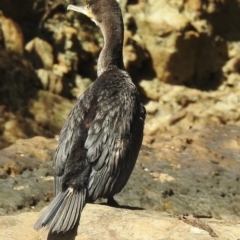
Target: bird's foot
pixel 111 202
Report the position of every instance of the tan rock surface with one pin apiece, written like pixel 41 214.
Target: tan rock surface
pixel 177 108
pixel 26 154
pixel 41 53
pixel 188 42
pixel 103 222
pixel 11 32
pixel 50 110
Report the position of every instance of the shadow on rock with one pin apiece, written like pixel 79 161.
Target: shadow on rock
pixel 198 61
pixel 202 47
pixel 18 82
pixel 123 207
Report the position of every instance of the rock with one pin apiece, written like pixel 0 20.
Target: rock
pixel 40 53
pixel 50 110
pixel 151 90
pixel 112 223
pixel 193 173
pixel 18 86
pixel 151 107
pixel 52 81
pixel 21 166
pixel 176 42
pixel 81 85
pixel 18 82
pixel 179 107
pixel 233 65
pixel 20 14
pixel 26 155
pixel 20 99
pixel 43 115
pixel 22 193
pixel 16 128
pixel 135 57
pixel 12 35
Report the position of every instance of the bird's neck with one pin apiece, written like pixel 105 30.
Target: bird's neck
pixel 111 55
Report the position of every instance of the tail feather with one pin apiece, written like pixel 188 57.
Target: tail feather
pixel 73 217
pixel 63 212
pixel 64 219
pixel 61 215
pixel 51 211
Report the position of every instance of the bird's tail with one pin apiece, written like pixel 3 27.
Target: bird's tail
pixel 63 212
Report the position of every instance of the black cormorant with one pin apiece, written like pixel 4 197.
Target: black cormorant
pixel 100 141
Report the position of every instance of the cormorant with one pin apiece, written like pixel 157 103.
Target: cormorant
pixel 100 141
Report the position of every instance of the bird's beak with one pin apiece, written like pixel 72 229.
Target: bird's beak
pixel 81 9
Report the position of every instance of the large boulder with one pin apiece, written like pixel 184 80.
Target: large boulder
pixel 98 222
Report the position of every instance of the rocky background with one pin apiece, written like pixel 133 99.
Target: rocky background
pixel 184 57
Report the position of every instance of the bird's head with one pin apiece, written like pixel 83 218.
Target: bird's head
pixel 96 10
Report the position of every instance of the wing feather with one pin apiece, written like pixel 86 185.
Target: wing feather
pixel 113 150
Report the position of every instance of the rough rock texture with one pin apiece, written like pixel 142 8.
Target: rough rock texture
pixel 50 111
pixel 98 221
pixel 18 85
pixel 175 109
pixel 186 40
pixel 193 173
pixel 193 43
pixel 20 188
pixel 10 31
pixel 18 82
pixel 41 114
